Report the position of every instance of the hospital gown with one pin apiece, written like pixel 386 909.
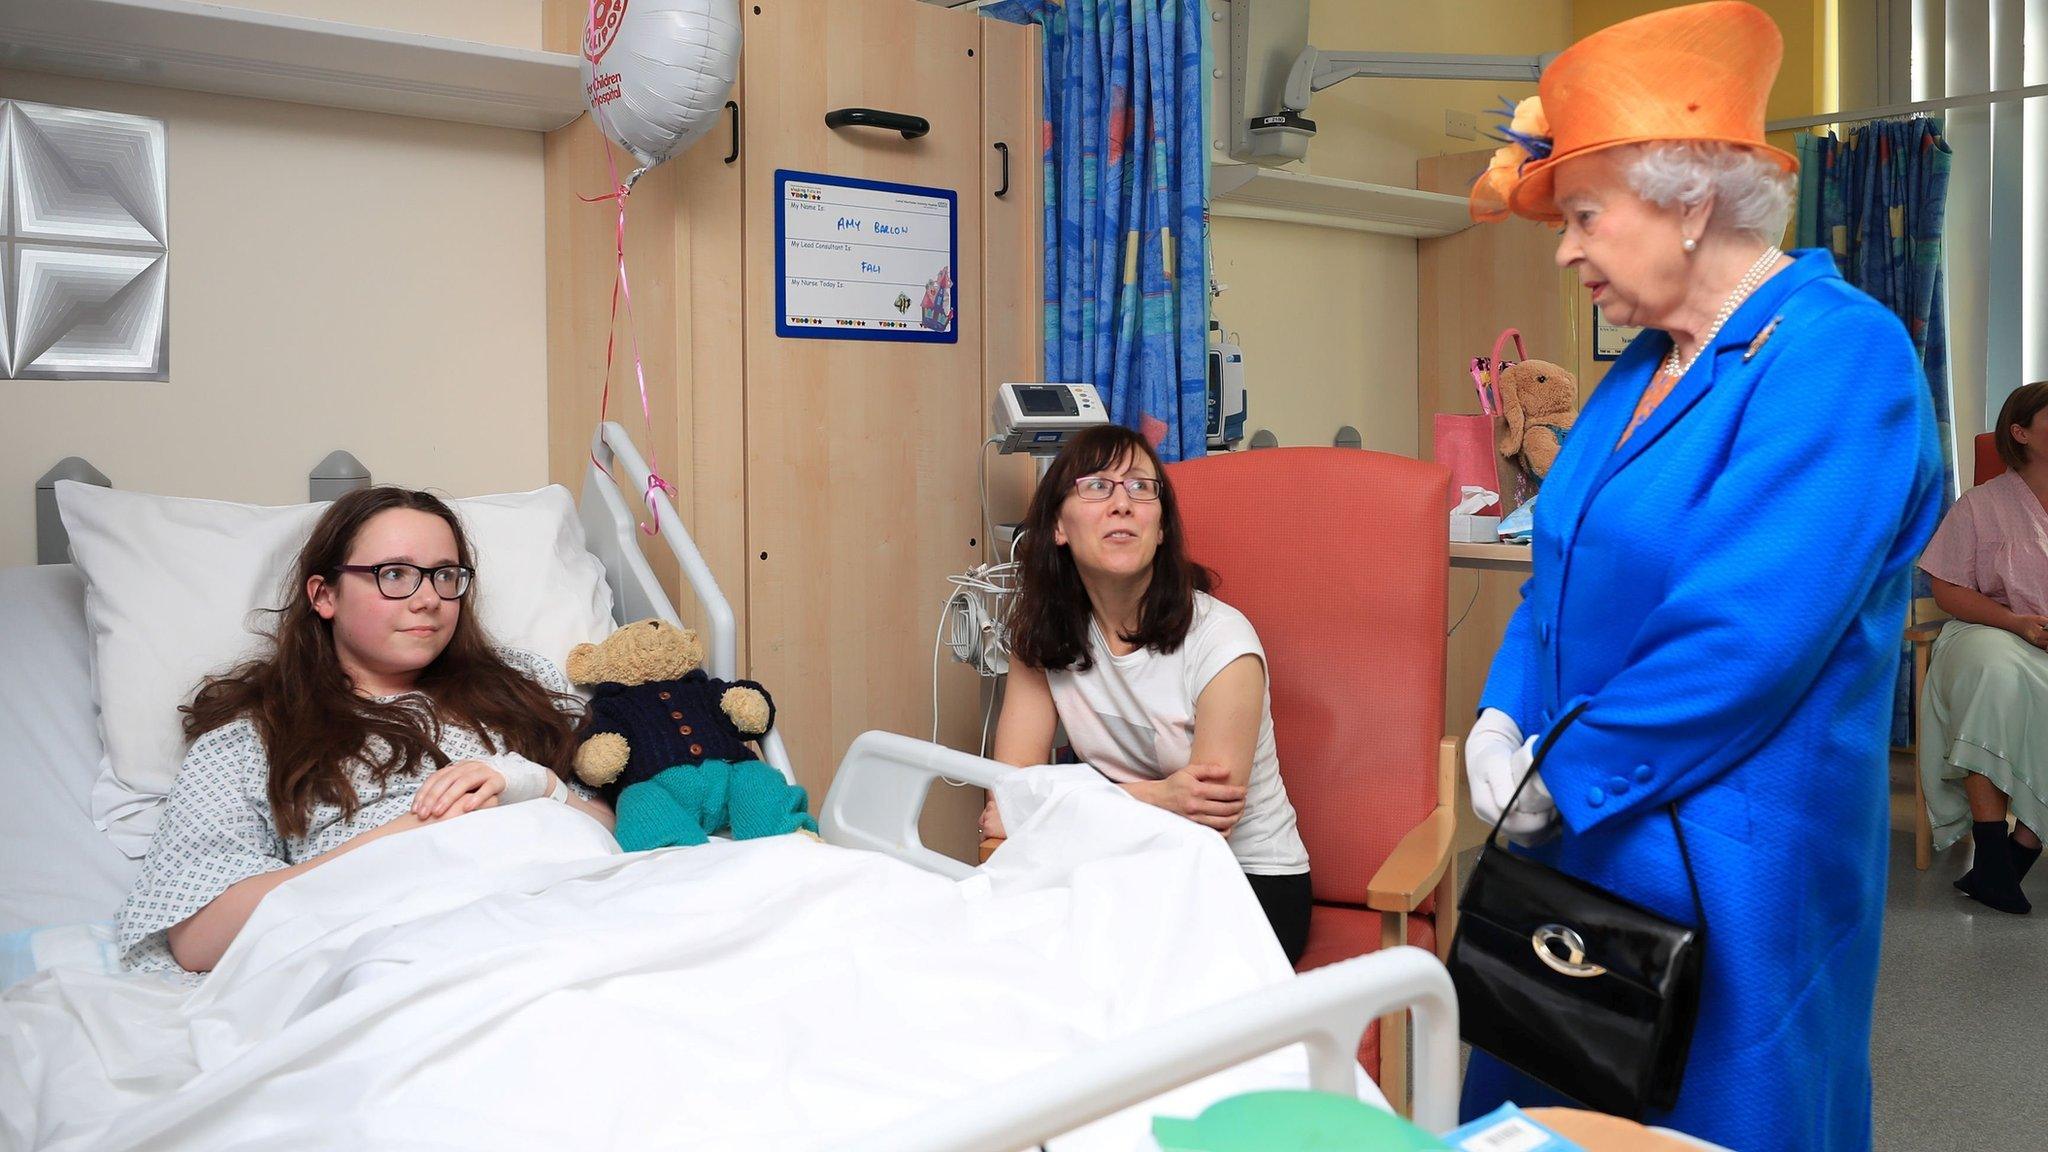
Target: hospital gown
pixel 218 829
pixel 1985 705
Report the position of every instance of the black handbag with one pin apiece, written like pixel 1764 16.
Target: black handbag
pixel 1593 995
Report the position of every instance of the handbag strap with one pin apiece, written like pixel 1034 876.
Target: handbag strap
pixel 1543 747
pixel 1493 362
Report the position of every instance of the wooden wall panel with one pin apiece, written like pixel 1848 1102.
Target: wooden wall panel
pixel 1469 286
pixel 830 484
pixel 861 486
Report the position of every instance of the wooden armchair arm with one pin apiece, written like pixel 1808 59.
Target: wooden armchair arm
pixel 1924 633
pixel 1416 864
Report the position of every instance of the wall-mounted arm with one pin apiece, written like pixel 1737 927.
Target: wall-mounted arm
pixel 1314 71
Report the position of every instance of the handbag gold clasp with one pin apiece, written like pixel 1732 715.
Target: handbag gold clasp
pixel 1573 960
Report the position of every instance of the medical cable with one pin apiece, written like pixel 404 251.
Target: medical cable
pixel 988 527
pixel 1468 605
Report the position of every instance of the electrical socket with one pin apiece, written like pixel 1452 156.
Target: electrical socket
pixel 1463 125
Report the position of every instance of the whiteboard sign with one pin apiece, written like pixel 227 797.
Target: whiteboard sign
pixel 864 260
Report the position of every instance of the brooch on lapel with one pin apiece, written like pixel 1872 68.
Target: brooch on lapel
pixel 1762 338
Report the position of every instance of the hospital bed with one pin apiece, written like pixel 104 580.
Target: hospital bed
pixel 56 868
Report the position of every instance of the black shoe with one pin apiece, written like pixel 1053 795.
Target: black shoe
pixel 2023 861
pixel 1992 881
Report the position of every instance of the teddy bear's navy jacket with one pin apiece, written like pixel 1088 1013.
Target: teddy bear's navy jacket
pixel 669 722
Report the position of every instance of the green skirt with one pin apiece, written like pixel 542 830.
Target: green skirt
pixel 1984 710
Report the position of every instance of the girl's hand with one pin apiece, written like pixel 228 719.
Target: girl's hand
pixel 1202 793
pixel 991 821
pixel 463 786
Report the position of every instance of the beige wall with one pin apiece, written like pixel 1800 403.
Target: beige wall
pixel 337 280
pixel 1327 318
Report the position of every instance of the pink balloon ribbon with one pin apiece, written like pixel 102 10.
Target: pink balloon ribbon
pixel 622 287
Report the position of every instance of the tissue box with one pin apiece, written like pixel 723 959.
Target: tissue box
pixel 1471 528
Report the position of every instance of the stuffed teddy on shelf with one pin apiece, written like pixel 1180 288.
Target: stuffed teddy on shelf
pixel 1538 405
pixel 666 744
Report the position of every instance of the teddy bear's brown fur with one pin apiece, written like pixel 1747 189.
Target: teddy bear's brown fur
pixel 1538 404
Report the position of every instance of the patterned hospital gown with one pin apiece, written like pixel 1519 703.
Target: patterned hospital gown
pixel 218 830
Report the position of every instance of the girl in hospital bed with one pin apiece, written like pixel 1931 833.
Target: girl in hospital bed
pixel 1160 686
pixel 380 707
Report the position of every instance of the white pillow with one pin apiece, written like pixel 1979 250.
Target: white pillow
pixel 174 589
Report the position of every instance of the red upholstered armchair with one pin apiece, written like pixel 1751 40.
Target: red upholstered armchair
pixel 1339 557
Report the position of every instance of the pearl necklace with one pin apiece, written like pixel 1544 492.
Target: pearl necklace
pixel 1743 287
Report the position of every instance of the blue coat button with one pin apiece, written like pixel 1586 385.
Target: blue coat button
pixel 1618 785
pixel 1595 797
pixel 1543 631
pixel 1643 774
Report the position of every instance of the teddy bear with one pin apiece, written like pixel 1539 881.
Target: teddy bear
pixel 666 744
pixel 1538 404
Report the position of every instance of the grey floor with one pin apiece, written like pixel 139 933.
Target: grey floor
pixel 1962 1004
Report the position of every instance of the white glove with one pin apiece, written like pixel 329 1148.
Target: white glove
pixel 1496 759
pixel 526 780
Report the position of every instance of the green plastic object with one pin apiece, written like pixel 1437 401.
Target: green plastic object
pixel 1292 1122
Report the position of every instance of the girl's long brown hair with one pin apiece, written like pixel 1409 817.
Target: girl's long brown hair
pixel 1049 623
pixel 312 722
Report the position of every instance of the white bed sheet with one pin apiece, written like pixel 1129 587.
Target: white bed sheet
pixel 509 981
pixel 55 866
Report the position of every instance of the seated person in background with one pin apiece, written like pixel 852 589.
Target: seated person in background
pixel 1161 687
pixel 1984 711
pixel 381 707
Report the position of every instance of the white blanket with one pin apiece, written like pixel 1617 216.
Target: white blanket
pixel 509 980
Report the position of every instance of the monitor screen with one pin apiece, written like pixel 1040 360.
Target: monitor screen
pixel 1046 400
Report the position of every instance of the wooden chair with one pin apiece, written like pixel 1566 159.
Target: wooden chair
pixel 1922 636
pixel 1339 558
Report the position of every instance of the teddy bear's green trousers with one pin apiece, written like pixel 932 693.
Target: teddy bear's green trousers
pixel 681 805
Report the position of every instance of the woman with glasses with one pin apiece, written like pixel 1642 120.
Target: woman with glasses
pixel 1160 686
pixel 379 707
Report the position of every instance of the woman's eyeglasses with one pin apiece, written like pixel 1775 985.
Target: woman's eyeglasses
pixel 1096 489
pixel 400 581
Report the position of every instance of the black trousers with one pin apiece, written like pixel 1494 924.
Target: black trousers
pixel 1287 900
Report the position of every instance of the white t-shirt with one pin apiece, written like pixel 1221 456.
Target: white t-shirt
pixel 1133 718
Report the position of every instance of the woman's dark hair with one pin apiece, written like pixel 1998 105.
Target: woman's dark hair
pixel 312 722
pixel 2020 408
pixel 1049 623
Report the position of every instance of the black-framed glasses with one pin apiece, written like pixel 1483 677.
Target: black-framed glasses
pixel 398 581
pixel 1096 489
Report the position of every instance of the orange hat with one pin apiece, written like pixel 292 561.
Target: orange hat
pixel 1701 72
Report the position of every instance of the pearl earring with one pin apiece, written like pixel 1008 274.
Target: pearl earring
pixel 1691 245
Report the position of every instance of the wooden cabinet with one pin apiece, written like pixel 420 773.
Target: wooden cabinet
pixel 831 484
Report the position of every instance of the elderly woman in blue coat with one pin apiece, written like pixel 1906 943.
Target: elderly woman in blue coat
pixel 1720 571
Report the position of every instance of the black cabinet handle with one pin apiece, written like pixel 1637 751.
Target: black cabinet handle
pixel 733 106
pixel 1005 150
pixel 911 126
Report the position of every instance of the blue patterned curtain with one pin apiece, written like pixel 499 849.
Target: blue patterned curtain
pixel 1126 189
pixel 1876 200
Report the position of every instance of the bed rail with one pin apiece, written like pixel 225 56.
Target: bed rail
pixel 610 527
pixel 880 789
pixel 1326 1010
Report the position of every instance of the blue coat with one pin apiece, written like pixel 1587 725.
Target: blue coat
pixel 1726 590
